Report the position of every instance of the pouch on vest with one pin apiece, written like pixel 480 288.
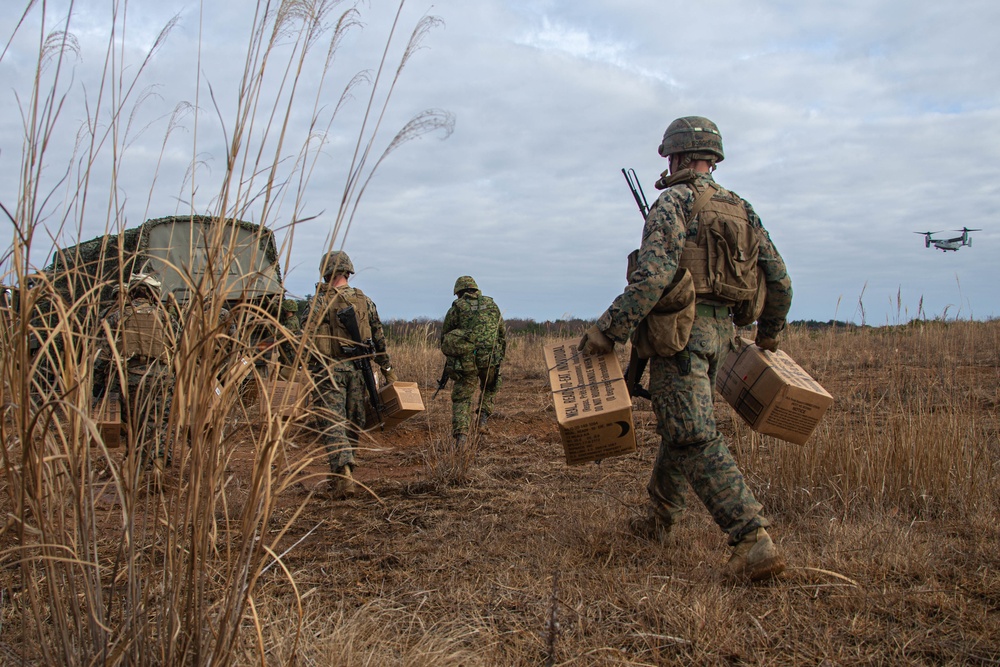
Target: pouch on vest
pixel 143 335
pixel 324 340
pixel 666 329
pixel 456 344
pixel 748 311
pixel 732 260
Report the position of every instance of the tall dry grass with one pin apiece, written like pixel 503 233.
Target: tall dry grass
pixel 178 581
pixel 907 429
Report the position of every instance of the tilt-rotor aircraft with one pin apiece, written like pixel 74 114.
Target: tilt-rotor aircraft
pixel 949 244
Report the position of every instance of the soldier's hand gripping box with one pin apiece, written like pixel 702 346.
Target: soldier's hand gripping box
pixel 771 392
pixel 400 401
pixel 592 403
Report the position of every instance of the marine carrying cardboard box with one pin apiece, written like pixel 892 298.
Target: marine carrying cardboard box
pixel 593 406
pixel 400 401
pixel 771 392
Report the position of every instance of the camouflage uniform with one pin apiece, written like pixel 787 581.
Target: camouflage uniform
pixel 340 386
pixel 289 320
pixel 480 318
pixel 692 451
pixel 148 396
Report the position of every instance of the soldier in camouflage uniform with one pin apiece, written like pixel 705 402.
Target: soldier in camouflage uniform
pixel 146 334
pixel 673 255
pixel 474 339
pixel 340 387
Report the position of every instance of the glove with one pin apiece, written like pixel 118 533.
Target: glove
pixel 389 375
pixel 595 342
pixel 766 343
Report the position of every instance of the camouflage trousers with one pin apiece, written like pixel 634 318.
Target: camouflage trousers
pixel 146 409
pixel 340 413
pixel 489 381
pixel 692 451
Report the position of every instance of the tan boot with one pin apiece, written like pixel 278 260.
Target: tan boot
pixel 651 527
pixel 346 482
pixel 341 484
pixel 755 558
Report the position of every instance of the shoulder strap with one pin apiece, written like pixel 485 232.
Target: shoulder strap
pixel 702 199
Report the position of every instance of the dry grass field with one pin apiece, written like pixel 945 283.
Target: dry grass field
pixel 503 555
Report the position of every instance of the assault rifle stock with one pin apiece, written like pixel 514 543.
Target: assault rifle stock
pixel 361 353
pixel 636 366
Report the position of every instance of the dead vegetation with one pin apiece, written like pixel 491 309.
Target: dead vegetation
pixel 521 560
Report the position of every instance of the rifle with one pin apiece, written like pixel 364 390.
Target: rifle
pixel 442 383
pixel 361 353
pixel 636 366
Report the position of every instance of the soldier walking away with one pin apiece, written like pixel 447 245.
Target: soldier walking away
pixel 145 335
pixel 337 376
pixel 474 340
pixel 680 311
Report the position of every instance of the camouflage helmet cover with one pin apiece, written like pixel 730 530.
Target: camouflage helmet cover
pixel 692 134
pixel 335 262
pixel 464 283
pixel 144 280
pixel 290 306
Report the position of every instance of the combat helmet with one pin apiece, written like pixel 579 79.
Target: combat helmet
pixel 290 306
pixel 144 280
pixel 335 262
pixel 692 134
pixel 465 283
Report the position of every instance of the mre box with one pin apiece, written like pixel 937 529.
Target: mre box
pixel 400 401
pixel 107 416
pixel 771 392
pixel 288 398
pixel 593 406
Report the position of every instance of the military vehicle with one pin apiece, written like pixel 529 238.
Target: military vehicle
pixel 193 256
pixel 238 259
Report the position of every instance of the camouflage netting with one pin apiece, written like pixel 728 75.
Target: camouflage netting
pixel 110 259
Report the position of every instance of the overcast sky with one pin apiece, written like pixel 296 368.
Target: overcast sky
pixel 848 125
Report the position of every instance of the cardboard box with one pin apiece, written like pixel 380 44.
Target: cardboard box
pixel 771 392
pixel 593 406
pixel 289 398
pixel 107 414
pixel 400 401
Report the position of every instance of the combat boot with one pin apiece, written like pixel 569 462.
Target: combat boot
pixel 651 527
pixel 341 484
pixel 346 482
pixel 483 418
pixel 460 440
pixel 755 558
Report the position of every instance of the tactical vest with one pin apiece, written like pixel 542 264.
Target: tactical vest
pixel 722 254
pixel 143 333
pixel 332 336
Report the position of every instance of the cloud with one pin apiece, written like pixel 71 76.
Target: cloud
pixel 847 126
